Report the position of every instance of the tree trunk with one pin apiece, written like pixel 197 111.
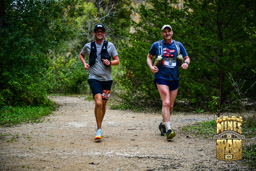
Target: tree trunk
pixel 220 89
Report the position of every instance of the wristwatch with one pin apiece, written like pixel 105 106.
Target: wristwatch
pixel 186 63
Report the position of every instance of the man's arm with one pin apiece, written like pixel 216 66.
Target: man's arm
pixel 82 58
pixel 154 69
pixel 187 59
pixel 115 61
pixel 186 63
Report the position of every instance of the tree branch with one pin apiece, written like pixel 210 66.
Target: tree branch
pixel 108 13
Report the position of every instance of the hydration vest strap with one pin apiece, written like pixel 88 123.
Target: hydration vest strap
pixel 104 52
pixel 177 47
pixel 160 53
pixel 93 53
pixel 105 46
pixel 160 48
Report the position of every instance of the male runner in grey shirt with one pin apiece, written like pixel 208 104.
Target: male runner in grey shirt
pixel 100 78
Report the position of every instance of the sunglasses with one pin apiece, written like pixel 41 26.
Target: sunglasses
pixel 99 32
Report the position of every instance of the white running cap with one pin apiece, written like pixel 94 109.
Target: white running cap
pixel 166 26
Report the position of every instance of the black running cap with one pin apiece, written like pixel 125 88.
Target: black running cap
pixel 99 26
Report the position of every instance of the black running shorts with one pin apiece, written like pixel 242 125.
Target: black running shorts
pixel 173 85
pixel 100 87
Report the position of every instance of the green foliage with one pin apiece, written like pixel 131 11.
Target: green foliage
pixel 215 43
pixel 86 21
pixel 213 104
pixel 115 15
pixel 16 115
pixel 10 138
pixel 249 126
pixel 40 42
pixel 249 155
pixel 29 29
pixel 136 80
pixel 117 20
pixel 249 131
pixel 67 75
pixel 206 129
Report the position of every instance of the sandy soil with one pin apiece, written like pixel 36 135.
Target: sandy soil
pixel 131 141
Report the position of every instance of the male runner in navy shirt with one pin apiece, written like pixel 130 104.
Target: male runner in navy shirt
pixel 166 74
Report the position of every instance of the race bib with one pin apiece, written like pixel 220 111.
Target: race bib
pixel 106 94
pixel 169 62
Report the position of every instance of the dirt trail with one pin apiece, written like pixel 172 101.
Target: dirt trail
pixel 131 141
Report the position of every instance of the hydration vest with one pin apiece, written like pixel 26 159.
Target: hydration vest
pixel 93 54
pixel 161 50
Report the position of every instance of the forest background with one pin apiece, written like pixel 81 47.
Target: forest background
pixel 41 40
pixel 40 43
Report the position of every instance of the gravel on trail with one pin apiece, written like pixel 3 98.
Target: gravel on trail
pixel 131 141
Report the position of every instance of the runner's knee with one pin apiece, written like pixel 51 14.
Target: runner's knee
pixel 98 103
pixel 166 104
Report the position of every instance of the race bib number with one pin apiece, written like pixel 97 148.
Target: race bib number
pixel 169 62
pixel 106 94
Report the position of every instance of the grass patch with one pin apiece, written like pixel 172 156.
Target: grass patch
pixel 9 137
pixel 249 126
pixel 206 129
pixel 117 107
pixel 249 155
pixel 89 98
pixel 249 131
pixel 10 116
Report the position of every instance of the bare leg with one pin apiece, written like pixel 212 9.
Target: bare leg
pixel 98 110
pixel 168 98
pixel 165 97
pixel 173 95
pixel 104 104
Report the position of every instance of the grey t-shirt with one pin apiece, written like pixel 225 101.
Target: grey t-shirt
pixel 99 71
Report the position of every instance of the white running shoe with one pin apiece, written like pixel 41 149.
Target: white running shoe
pixel 98 135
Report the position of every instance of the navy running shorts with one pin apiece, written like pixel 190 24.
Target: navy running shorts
pixel 100 87
pixel 173 85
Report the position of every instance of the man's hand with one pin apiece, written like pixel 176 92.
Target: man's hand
pixel 154 69
pixel 106 62
pixel 82 58
pixel 184 66
pixel 86 66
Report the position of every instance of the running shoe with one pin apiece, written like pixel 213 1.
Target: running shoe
pixel 98 135
pixel 162 129
pixel 170 134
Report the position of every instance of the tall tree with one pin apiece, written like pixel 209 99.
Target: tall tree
pixel 31 28
pixel 114 14
pixel 66 74
pixel 136 79
pixel 219 36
